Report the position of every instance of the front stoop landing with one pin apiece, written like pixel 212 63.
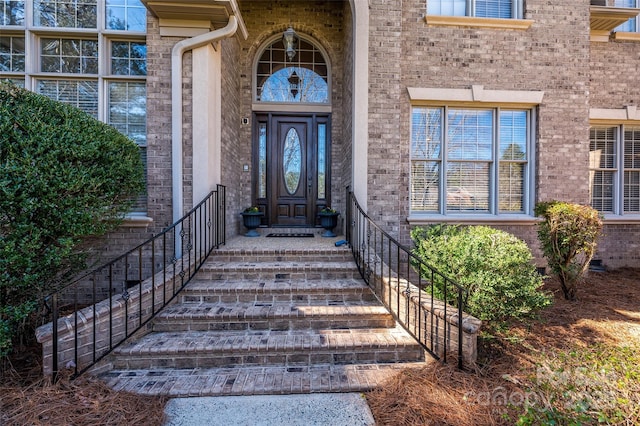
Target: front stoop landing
pixel 267 321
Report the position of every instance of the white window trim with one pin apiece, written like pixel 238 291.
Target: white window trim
pixel 617 117
pixel 478 97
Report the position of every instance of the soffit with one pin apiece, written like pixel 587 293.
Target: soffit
pixel 215 11
pixel 605 18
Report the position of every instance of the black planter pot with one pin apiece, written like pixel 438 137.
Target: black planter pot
pixel 329 221
pixel 252 221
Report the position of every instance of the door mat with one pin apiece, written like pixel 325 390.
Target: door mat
pixel 288 235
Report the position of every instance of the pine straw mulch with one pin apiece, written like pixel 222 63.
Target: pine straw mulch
pixel 607 313
pixel 28 399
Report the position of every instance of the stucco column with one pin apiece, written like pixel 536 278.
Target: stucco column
pixel 360 102
pixel 207 103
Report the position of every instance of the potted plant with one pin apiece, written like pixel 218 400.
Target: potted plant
pixel 328 220
pixel 252 217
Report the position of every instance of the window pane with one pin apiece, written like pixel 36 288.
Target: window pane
pixel 17 81
pixel 470 134
pixel 602 152
pixel 12 12
pixel 11 54
pixel 602 190
pixel 81 94
pixel 295 84
pixel 69 56
pixel 128 15
pixel 513 135
pixel 494 8
pixel 468 187
pixel 127 109
pixel 511 187
pixel 447 7
pixel 632 148
pixel 303 79
pixel 128 58
pixel 602 163
pixel 262 161
pixel 426 133
pixel 632 191
pixel 322 161
pixel 65 13
pixel 425 193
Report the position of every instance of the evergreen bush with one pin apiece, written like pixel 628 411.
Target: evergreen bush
pixel 569 237
pixel 495 267
pixel 64 176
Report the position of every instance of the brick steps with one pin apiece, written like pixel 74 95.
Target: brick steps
pixel 267 321
pixel 285 348
pixel 264 316
pixel 283 270
pixel 271 380
pixel 271 291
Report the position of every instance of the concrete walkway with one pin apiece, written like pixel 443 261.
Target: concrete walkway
pixel 335 409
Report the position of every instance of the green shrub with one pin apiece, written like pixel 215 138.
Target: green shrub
pixel 495 266
pixel 63 176
pixel 568 236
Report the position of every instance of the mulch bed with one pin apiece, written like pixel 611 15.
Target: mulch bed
pixel 607 312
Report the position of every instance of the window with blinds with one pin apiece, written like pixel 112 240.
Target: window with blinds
pixel 466 160
pixel 506 9
pixel 614 169
pixel 91 54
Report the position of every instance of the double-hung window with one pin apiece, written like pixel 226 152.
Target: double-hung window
pixel 614 169
pixel 470 160
pixel 507 9
pixel 632 24
pixel 88 53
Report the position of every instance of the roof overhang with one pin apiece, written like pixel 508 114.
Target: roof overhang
pixel 189 18
pixel 604 19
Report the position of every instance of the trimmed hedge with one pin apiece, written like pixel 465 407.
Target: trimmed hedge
pixel 64 176
pixel 495 266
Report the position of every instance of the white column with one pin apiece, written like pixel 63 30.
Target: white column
pixel 207 100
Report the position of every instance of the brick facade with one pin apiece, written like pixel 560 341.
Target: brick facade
pixel 555 55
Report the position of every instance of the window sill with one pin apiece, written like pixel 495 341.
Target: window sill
pixel 137 220
pixel 626 36
pixel 513 219
pixel 471 21
pixel 613 219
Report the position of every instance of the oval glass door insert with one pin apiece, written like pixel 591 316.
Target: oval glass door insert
pixel 292 161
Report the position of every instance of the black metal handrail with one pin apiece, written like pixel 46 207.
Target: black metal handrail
pixel 157 270
pixel 397 276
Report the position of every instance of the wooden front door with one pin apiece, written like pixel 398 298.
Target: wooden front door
pixel 291 164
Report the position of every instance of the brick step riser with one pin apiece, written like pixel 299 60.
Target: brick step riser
pixel 197 297
pixel 277 324
pixel 270 257
pixel 258 274
pixel 247 359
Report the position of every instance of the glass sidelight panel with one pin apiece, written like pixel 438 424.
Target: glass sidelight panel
pixel 292 161
pixel 262 160
pixel 322 161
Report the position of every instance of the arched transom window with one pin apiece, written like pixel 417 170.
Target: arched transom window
pixel 304 79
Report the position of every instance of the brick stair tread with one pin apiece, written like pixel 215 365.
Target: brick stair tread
pixel 266 310
pixel 283 266
pixel 188 343
pixel 267 380
pixel 231 286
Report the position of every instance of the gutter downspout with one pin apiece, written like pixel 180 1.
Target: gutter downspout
pixel 176 111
